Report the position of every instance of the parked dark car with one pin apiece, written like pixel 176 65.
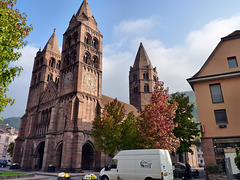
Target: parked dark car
pixel 3 163
pixel 179 170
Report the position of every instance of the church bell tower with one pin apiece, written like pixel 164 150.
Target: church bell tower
pixel 142 77
pixel 81 68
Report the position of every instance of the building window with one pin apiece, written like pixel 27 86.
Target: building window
pixel 216 93
pixel 145 76
pixel 7 140
pixel 146 88
pixel 95 43
pixel 5 149
pixel 135 90
pixel 68 41
pixel 232 62
pixel 221 116
pixel 75 37
pixel 134 77
pixel 95 62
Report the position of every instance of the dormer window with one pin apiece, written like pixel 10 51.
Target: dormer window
pixel 232 62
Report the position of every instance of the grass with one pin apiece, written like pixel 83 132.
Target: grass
pixel 10 173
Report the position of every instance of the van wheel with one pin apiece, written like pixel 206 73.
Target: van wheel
pixel 104 178
pixel 148 178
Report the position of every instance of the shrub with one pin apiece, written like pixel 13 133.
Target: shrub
pixel 237 161
pixel 213 169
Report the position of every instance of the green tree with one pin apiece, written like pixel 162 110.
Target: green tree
pixel 113 130
pixel 186 130
pixel 10 148
pixel 130 133
pixel 156 121
pixel 13 31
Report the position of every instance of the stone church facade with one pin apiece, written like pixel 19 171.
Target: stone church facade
pixel 65 96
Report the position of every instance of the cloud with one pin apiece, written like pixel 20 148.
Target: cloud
pixel 174 64
pixel 138 26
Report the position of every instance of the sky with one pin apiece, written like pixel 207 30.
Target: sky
pixel 178 35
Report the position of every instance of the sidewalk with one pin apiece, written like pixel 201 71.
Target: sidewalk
pixel 71 174
pixel 45 174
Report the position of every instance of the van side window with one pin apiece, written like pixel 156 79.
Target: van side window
pixel 112 164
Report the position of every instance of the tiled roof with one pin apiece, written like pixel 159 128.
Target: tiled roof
pixel 128 107
pixel 235 34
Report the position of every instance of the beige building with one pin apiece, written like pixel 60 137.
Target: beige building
pixel 7 135
pixel 217 87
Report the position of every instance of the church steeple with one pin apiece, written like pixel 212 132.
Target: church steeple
pixel 142 59
pixel 84 9
pixel 142 77
pixel 52 44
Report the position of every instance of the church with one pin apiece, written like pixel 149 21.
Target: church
pixel 65 96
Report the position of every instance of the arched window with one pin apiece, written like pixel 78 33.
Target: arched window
pixel 95 43
pixel 41 61
pixel 68 41
pixel 74 56
pixel 75 37
pixel 95 62
pixel 88 39
pixel 87 58
pixel 146 88
pixel 43 116
pixel 67 60
pixel 52 62
pixel 58 65
pixel 50 77
pixel 39 77
pixel 134 77
pixel 35 79
pixel 145 75
pixel 37 63
pixel 135 90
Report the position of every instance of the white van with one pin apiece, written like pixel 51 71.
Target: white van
pixel 146 164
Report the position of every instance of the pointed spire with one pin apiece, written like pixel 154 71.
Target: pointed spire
pixel 142 59
pixel 52 44
pixel 84 9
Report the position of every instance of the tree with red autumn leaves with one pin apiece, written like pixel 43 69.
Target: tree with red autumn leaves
pixel 156 121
